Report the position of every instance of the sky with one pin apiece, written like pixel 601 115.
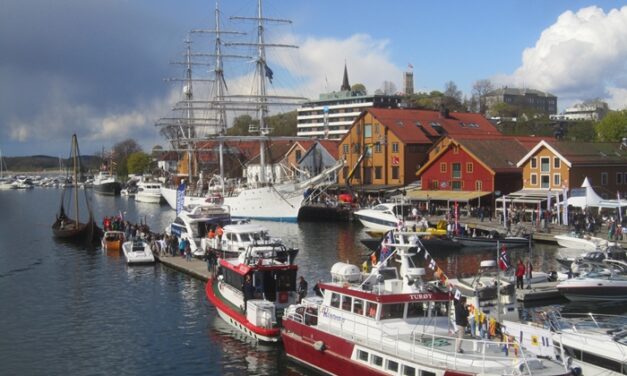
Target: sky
pixel 97 68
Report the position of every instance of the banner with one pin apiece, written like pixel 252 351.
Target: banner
pixel 504 263
pixel 180 198
pixel 565 212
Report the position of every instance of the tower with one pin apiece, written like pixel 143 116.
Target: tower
pixel 345 85
pixel 408 80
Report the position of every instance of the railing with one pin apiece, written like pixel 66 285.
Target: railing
pixel 485 355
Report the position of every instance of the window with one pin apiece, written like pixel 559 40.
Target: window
pixel 443 167
pixel 335 300
pixel 478 185
pixel 534 179
pixel 376 129
pixel 392 311
pixel 368 150
pixel 392 366
pixel 556 162
pixel 358 306
pixel 356 148
pixel 619 178
pixel 377 360
pixel 457 170
pixel 456 185
pixel 345 148
pixel 346 303
pixel 545 164
pixel 394 172
pixel 435 184
pixel 469 167
pixel 377 147
pixel 371 309
pixel 298 154
pixel 367 130
pixel 394 147
pixel 377 172
pixel 427 373
pixel 604 178
pixel 557 180
pixel 409 371
pixel 545 181
pixel 416 310
pixel 362 355
pixel 534 162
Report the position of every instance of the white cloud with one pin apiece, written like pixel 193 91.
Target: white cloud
pixel 581 56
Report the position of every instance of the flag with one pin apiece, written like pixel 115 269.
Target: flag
pixel 565 207
pixel 504 263
pixel 458 294
pixel 385 250
pixel 373 259
pixel 432 264
pixel 269 72
pixel 620 215
pixel 426 254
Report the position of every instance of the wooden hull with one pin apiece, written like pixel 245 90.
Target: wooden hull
pixel 68 229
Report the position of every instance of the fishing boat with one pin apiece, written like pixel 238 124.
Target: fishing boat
pixel 112 241
pixel 106 183
pixel 138 252
pixel 252 291
pixel 388 321
pixel 65 227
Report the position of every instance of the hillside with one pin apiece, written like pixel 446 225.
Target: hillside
pixel 38 163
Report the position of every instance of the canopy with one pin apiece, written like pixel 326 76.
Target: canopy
pixel 461 196
pixel 585 196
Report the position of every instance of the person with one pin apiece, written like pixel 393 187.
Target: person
pixel 249 289
pixel 529 273
pixel 317 288
pixel 301 289
pixel 461 321
pixel 520 273
pixel 188 251
pixel 219 233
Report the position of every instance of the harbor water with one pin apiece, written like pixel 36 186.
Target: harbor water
pixel 69 309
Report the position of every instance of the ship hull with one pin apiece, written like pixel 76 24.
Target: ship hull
pixel 108 189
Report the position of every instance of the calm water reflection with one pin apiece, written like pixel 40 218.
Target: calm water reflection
pixel 68 309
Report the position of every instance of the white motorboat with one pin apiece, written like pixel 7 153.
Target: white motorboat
pixel 385 217
pixel 149 192
pixel 238 238
pixel 605 281
pixel 596 344
pixel 23 182
pixel 387 321
pixel 138 252
pixel 585 242
pixel 195 221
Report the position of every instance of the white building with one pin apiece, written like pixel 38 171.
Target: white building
pixel 584 111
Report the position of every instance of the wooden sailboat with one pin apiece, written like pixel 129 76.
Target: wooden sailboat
pixel 69 228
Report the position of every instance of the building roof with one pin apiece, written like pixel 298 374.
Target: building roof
pixel 274 153
pixel 517 91
pixel 583 153
pixel 422 126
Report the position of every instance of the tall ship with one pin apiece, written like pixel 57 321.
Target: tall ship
pixel 106 181
pixel 263 199
pixel 388 322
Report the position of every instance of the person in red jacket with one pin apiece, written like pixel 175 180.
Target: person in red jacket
pixel 520 273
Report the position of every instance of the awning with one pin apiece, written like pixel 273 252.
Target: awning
pixel 530 196
pixel 461 196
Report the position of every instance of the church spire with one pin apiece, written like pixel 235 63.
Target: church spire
pixel 345 85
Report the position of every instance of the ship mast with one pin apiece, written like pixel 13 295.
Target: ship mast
pixel 263 72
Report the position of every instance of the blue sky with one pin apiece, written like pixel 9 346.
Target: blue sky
pixel 97 67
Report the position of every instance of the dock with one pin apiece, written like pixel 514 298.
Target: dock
pixel 195 268
pixel 538 291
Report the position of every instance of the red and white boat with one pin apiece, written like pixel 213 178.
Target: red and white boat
pixel 387 322
pixel 255 307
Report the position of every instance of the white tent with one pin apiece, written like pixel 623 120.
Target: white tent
pixel 584 196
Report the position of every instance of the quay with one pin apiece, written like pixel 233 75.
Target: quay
pixel 196 268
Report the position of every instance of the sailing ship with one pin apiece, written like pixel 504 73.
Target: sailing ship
pixel 65 227
pixel 264 200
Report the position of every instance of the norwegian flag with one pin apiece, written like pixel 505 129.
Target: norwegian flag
pixel 504 263
pixel 385 250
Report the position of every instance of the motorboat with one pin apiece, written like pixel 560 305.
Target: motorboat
pixel 388 321
pixel 138 252
pixel 604 281
pixel 596 344
pixel 193 222
pixel 585 242
pixel 568 256
pixel 436 243
pixel 112 241
pixel 385 217
pixel 490 240
pixel 252 291
pixel 23 182
pixel 106 183
pixel 239 237
pixel 149 192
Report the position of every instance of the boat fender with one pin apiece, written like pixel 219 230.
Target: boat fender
pixel 319 345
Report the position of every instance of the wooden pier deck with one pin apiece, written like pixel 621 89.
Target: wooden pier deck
pixel 195 268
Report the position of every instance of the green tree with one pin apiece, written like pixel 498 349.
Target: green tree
pixel 120 153
pixel 283 124
pixel 240 126
pixel 138 163
pixel 613 127
pixel 359 88
pixel 580 131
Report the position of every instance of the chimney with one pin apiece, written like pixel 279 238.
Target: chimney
pixel 443 112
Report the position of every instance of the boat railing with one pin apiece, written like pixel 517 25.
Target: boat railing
pixel 425 345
